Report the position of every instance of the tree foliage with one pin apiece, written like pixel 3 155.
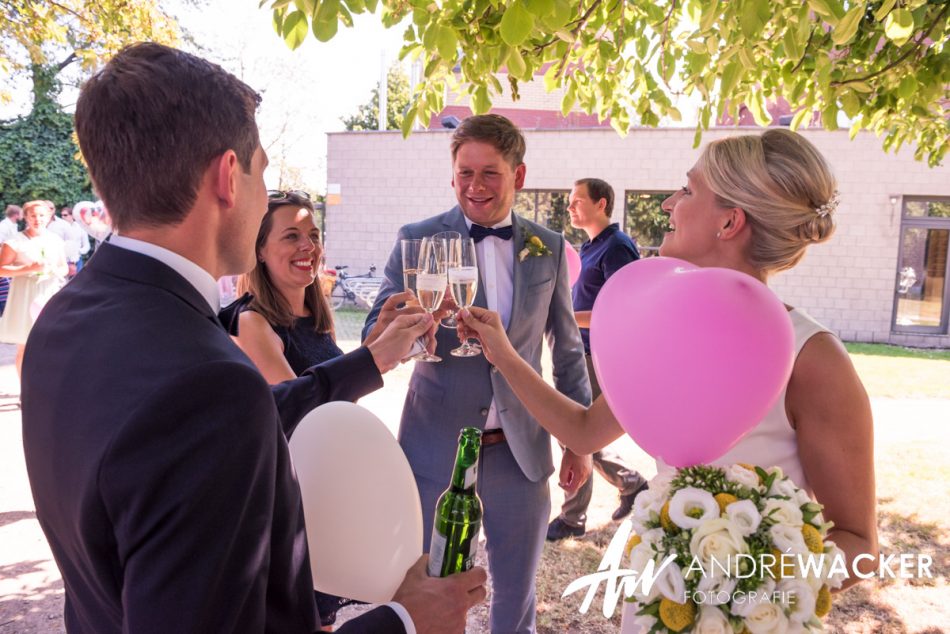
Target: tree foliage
pixel 397 100
pixel 883 63
pixel 39 159
pixel 44 38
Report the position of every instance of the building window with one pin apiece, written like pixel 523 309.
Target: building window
pixel 548 207
pixel 644 220
pixel 923 269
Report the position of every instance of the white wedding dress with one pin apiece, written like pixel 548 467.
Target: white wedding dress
pixel 771 443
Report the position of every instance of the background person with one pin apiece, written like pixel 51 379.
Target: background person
pixel 533 295
pixel 752 203
pixel 607 250
pixel 35 260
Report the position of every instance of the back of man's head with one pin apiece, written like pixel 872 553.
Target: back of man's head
pixel 495 130
pixel 13 212
pixel 149 125
pixel 598 190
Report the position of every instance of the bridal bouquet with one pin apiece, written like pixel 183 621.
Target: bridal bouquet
pixel 732 550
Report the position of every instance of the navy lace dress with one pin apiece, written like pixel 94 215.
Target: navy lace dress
pixel 304 347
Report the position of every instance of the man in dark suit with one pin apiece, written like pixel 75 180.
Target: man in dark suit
pixel 161 477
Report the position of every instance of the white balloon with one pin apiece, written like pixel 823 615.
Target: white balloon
pixel 360 500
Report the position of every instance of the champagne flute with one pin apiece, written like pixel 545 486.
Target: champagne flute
pixel 463 280
pixel 411 263
pixel 448 236
pixel 431 281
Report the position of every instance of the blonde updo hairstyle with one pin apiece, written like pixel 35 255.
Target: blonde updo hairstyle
pixel 784 186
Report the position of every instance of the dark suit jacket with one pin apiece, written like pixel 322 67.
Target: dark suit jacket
pixel 158 461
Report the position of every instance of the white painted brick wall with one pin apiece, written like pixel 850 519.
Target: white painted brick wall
pixel 847 283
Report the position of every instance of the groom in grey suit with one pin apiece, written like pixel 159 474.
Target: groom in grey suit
pixel 531 292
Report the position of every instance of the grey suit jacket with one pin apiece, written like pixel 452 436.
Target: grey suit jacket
pixel 444 397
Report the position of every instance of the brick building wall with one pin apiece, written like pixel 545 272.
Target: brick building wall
pixel 847 284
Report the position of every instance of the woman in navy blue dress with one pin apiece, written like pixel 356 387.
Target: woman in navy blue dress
pixel 288 326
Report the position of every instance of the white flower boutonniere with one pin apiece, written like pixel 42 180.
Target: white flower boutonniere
pixel 533 247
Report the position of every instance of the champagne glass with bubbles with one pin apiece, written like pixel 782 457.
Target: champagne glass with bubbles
pixel 431 281
pixel 448 236
pixel 463 281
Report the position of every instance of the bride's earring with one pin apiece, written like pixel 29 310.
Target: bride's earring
pixel 719 234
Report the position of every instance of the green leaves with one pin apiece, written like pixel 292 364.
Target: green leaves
pixel 516 23
pixel 631 61
pixel 848 26
pixel 294 29
pixel 899 26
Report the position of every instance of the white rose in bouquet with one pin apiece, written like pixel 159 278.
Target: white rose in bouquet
pixel 712 621
pixel 745 516
pixel 640 556
pixel 767 618
pixel 784 487
pixel 743 604
pixel 783 512
pixel 648 503
pixel 671 584
pixel 788 540
pixel 798 598
pixel 742 475
pixel 719 540
pixel 689 502
pixel 715 589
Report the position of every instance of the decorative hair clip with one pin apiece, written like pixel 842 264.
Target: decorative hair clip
pixel 828 207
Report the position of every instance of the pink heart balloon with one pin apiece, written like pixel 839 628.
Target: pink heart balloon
pixel 689 359
pixel 573 263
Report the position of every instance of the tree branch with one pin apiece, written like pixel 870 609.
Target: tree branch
pixel 811 34
pixel 900 60
pixel 578 25
pixel 66 62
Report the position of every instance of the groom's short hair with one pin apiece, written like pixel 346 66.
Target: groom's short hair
pixel 495 130
pixel 150 123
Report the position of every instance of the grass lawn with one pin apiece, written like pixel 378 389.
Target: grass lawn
pixel 912 462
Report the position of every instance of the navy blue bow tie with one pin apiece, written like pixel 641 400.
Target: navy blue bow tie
pixel 479 233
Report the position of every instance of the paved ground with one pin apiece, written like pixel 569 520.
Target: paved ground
pixel 31 591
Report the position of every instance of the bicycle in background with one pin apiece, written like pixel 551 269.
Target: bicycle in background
pixel 358 290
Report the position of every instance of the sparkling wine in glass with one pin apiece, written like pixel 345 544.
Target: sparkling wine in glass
pixel 431 281
pixel 463 280
pixel 448 236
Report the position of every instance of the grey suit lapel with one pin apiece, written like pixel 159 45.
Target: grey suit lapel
pixel 519 269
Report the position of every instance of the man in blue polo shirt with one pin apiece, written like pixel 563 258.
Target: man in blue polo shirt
pixel 606 251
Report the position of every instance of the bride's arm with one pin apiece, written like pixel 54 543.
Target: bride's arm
pixel 581 429
pixel 829 408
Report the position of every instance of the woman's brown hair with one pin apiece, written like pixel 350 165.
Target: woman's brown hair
pixel 268 301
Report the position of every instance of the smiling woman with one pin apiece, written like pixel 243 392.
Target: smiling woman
pixel 288 326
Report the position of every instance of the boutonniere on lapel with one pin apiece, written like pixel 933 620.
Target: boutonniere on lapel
pixel 533 247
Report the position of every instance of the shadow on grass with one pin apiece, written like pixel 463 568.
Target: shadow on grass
pixel 561 563
pixel 864 603
pixel 39 609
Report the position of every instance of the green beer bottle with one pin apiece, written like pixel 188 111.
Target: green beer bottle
pixel 458 513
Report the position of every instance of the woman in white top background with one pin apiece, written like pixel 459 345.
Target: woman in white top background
pixel 35 260
pixel 751 203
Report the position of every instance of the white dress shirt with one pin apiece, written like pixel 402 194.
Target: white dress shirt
pixel 196 276
pixel 496 266
pixel 8 229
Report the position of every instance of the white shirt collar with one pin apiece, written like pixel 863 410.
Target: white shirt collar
pixel 506 221
pixel 196 276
